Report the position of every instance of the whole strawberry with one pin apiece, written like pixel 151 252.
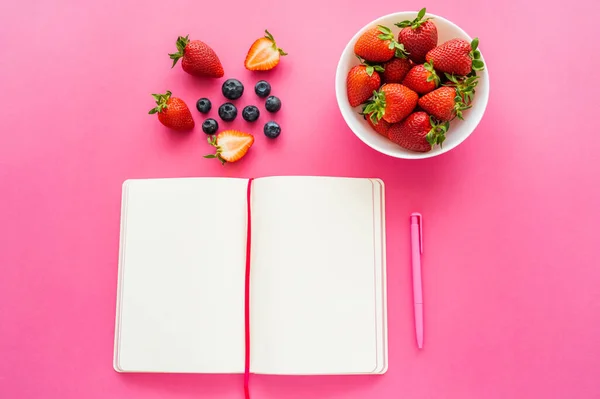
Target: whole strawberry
pixel 422 79
pixel 396 69
pixel 418 36
pixel 457 57
pixel 418 132
pixel 380 126
pixel 449 102
pixel 377 45
pixel 392 103
pixel 198 58
pixel 172 112
pixel 361 82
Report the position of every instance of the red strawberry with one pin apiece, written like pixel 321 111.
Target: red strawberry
pixel 264 54
pixel 393 102
pixel 457 57
pixel 231 145
pixel 362 81
pixel 198 58
pixel 377 45
pixel 418 132
pixel 418 37
pixel 396 69
pixel 447 102
pixel 172 112
pixel 422 79
pixel 380 127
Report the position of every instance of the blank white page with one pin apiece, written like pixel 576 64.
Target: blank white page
pixel 181 276
pixel 380 276
pixel 313 304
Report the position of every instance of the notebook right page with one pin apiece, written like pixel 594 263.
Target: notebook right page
pixel 313 280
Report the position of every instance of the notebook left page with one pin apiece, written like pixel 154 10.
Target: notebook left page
pixel 180 305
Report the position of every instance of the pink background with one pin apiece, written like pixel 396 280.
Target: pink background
pixel 511 270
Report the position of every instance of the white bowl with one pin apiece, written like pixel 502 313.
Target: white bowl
pixel 459 130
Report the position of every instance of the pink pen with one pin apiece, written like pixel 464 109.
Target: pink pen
pixel 416 243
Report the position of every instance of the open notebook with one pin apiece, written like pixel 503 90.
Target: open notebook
pixel 317 285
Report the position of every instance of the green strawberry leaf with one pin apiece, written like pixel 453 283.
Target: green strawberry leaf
pixel 269 36
pixel 400 50
pixel 180 44
pixel 376 107
pixel 161 102
pixel 431 139
pixel 437 134
pixel 386 33
pixel 478 65
pixel 415 23
pixel 474 44
pixel 384 29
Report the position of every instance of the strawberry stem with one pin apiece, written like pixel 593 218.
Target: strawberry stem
pixel 415 23
pixel 180 43
pixel 433 76
pixel 371 66
pixel 386 34
pixel 161 102
pixel 475 55
pixel 437 134
pixel 213 141
pixel 272 39
pixel 465 88
pixel 376 107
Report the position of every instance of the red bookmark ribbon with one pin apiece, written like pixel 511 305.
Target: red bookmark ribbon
pixel 247 292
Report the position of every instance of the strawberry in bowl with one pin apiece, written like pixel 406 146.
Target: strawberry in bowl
pixel 433 59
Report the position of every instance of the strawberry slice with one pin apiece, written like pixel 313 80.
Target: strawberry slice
pixel 263 54
pixel 231 145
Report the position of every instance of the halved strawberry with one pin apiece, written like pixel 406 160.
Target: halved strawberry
pixel 263 54
pixel 231 145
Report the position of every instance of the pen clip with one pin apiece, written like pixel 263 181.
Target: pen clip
pixel 420 221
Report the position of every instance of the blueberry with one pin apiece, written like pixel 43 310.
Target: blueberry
pixel 203 105
pixel 210 126
pixel 250 113
pixel 227 112
pixel 232 89
pixel 273 104
pixel 272 129
pixel 262 88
